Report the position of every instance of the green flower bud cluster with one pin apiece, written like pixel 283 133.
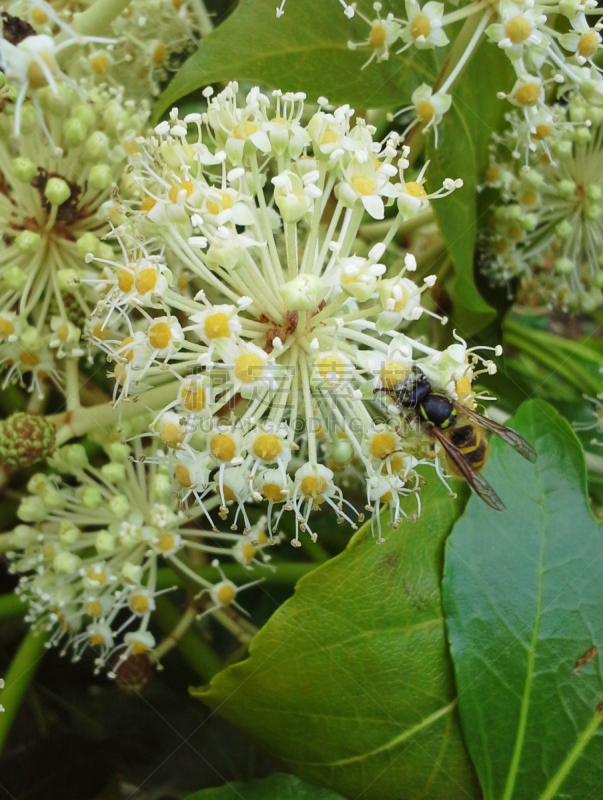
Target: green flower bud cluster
pixel 546 230
pixel 26 439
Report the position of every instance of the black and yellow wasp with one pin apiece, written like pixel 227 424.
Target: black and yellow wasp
pixel 461 431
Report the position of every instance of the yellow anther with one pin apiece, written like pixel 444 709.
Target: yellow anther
pixel 146 280
pixel 518 29
pixel 248 367
pixel 420 26
pixel 377 36
pixel 183 476
pixel 160 335
pixel 125 280
pixel 193 396
pixel 139 603
pixel 528 94
pixel 364 184
pixel 588 45
pixel 223 447
pixel 415 189
pixel 268 446
pixel 94 608
pixel 216 326
pixel 383 444
pixel 100 65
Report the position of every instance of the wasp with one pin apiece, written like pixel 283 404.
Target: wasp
pixel 461 432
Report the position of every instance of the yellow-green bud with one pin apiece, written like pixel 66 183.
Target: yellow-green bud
pixel 57 191
pixel 68 278
pixel 24 169
pixel 114 473
pixel 564 266
pixel 24 535
pixel 97 146
pixel 75 132
pixel 27 242
pixel 85 113
pixel 100 177
pixel 32 509
pixel 119 505
pixel 91 497
pixel 118 452
pixel 15 279
pixel 68 533
pixel 88 243
pixel 104 542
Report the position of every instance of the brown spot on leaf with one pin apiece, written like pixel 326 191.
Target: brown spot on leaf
pixel 588 656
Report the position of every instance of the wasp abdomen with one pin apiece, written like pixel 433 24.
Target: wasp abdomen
pixel 471 443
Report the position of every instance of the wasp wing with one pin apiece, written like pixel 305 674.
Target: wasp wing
pixel 508 435
pixel 473 478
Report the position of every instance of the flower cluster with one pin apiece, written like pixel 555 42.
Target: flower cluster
pixel 276 358
pixel 547 229
pixel 70 117
pixel 543 51
pixel 93 541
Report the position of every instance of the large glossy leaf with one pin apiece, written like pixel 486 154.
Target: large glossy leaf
pixel 523 593
pixel 305 50
pixel 276 787
pixel 350 681
pixel 463 139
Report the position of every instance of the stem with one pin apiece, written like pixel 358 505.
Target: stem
pixel 375 230
pixel 72 384
pixel 70 424
pixel 98 17
pixel 197 653
pixel 283 575
pixel 206 26
pixel 20 674
pixel 11 605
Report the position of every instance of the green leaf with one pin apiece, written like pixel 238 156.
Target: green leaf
pixel 275 787
pixel 463 139
pixel 523 594
pixel 306 50
pixel 350 681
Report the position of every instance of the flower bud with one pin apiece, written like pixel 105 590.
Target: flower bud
pixel 566 188
pixel 564 229
pixel 302 293
pixel 564 266
pixel 104 542
pixel 57 191
pixel 114 473
pixel 26 439
pixel 68 279
pixel 24 535
pixel 118 452
pixel 32 509
pixel 91 497
pixel 67 563
pixel 68 533
pixel 75 132
pixel 119 506
pixel 100 177
pixel 15 279
pixel 28 242
pixel 97 146
pixel 24 169
pixel 88 243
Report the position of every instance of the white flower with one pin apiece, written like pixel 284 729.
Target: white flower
pixel 424 25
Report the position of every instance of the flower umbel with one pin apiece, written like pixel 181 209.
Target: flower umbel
pixel 291 327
